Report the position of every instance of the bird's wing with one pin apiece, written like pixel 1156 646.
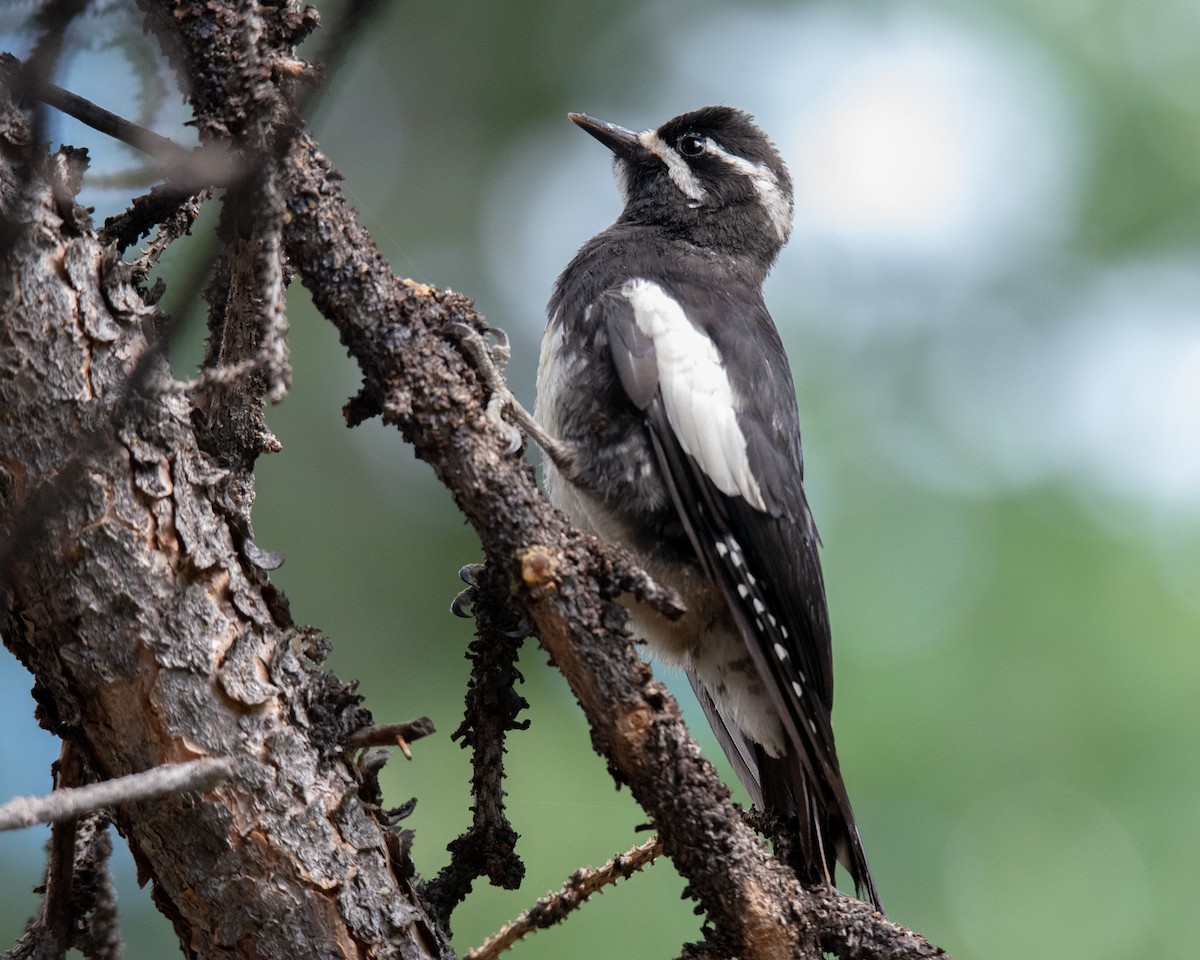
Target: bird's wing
pixel 729 452
pixel 740 750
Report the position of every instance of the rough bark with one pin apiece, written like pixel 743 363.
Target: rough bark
pixel 152 634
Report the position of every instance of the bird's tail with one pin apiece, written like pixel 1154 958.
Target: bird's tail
pixel 822 821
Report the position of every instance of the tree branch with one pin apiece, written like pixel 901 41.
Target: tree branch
pixel 391 735
pixel 488 848
pixel 135 598
pixel 70 802
pixel 555 907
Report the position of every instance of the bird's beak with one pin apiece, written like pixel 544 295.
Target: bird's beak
pixel 622 142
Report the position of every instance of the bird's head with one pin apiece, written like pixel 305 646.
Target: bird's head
pixel 710 176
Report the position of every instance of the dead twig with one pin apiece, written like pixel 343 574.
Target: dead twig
pixel 392 735
pixel 72 802
pixel 554 907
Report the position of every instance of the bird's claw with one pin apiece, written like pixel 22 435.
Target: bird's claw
pixel 501 350
pixel 490 360
pixel 465 599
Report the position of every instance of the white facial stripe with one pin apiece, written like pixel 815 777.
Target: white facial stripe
pixel 677 169
pixel 766 185
pixel 696 392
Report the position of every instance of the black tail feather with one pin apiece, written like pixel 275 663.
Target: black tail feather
pixel 823 835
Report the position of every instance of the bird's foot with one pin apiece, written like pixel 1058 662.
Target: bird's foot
pixel 489 360
pixel 464 601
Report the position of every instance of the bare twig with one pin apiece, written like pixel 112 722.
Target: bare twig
pixel 210 165
pixel 110 124
pixel 488 847
pixel 60 869
pixel 79 906
pixel 167 208
pixel 47 935
pixel 391 735
pixel 99 936
pixel 554 907
pixel 71 802
pixel 51 21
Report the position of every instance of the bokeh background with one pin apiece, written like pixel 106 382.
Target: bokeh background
pixel 991 301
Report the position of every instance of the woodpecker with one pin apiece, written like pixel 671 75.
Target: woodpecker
pixel 667 414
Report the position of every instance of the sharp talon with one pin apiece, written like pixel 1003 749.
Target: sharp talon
pixel 469 573
pixel 489 361
pixel 514 438
pixel 461 605
pixel 519 632
pixel 501 352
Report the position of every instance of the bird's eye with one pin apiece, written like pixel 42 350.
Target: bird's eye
pixel 691 144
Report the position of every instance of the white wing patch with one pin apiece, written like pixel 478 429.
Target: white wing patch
pixel 696 392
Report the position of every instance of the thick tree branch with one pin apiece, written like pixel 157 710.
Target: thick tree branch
pixel 154 637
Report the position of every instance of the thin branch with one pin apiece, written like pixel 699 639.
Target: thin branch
pixel 47 935
pixel 99 937
pixel 488 847
pixel 109 123
pixel 555 907
pixel 391 735
pixel 72 802
pixel 213 164
pixel 52 20
pixel 60 870
pixel 166 207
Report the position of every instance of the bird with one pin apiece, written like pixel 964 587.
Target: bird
pixel 667 416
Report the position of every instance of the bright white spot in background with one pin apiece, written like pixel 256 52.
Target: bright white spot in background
pixel 929 156
pixel 884 156
pixel 1106 393
pixel 1095 381
pixel 943 148
pixel 1130 388
pixel 1042 870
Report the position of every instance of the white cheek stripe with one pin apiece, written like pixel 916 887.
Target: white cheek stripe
pixel 777 204
pixel 677 169
pixel 696 392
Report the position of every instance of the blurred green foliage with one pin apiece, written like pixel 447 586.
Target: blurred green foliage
pixel 1011 515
